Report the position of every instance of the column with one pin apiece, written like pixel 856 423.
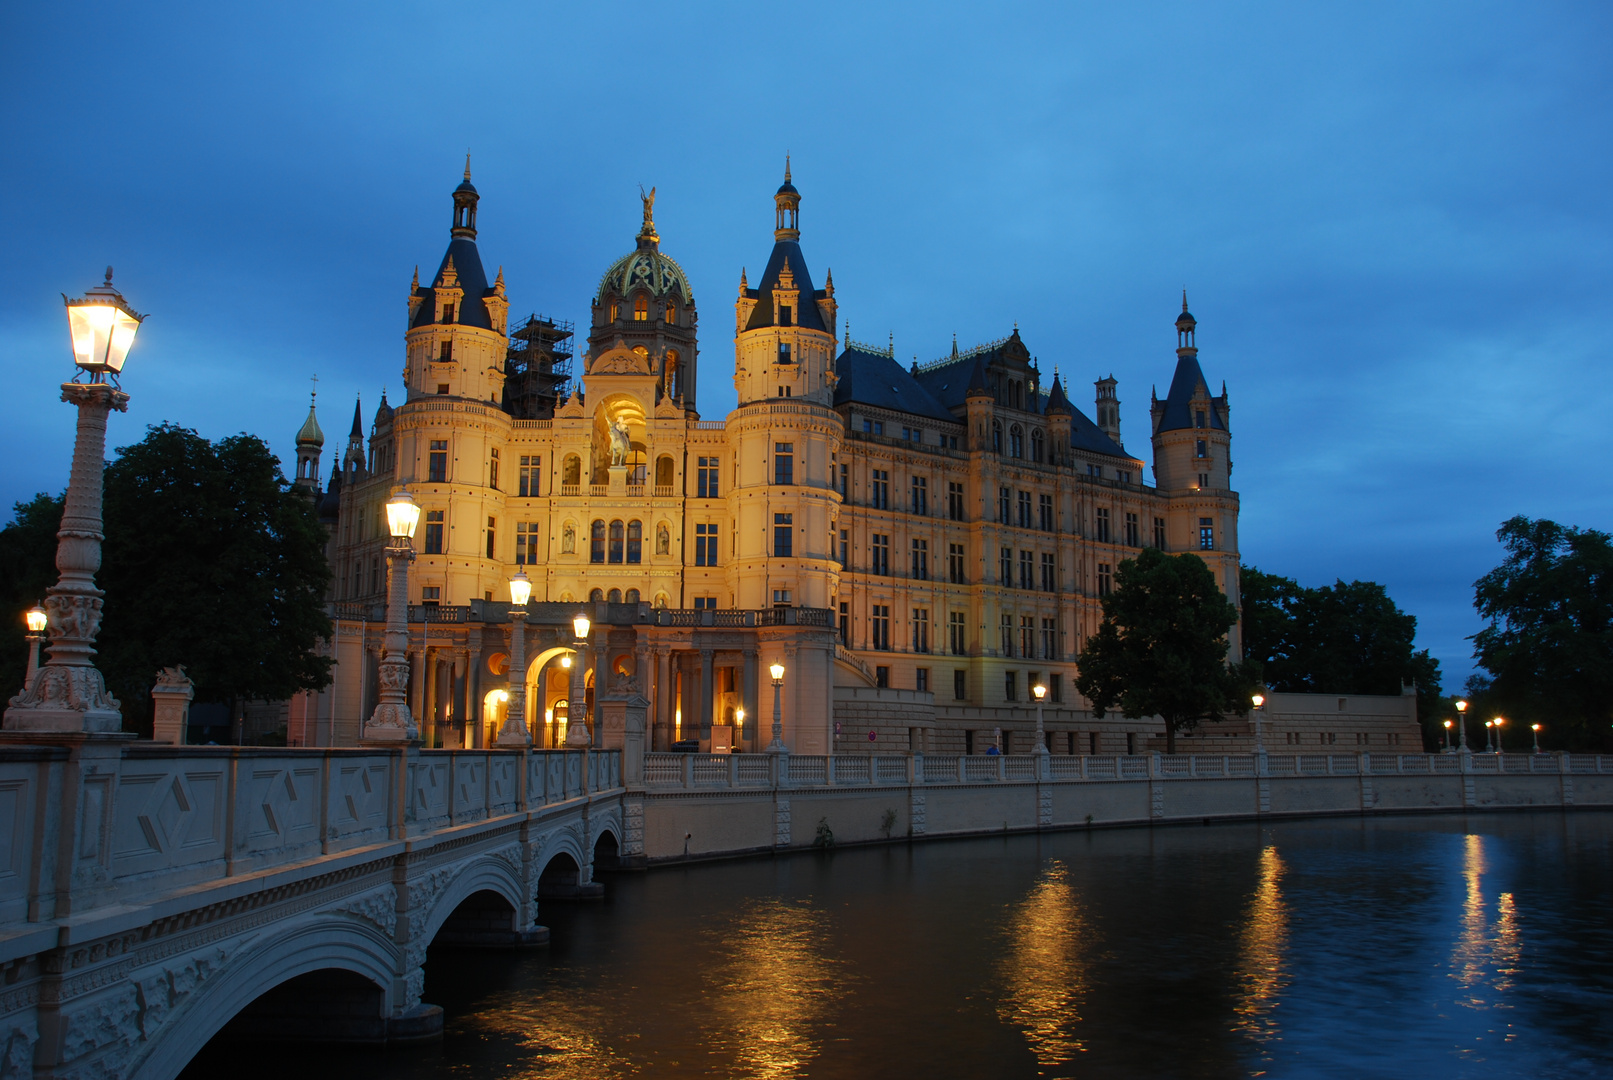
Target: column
pixel 664 690
pixel 753 718
pixel 706 698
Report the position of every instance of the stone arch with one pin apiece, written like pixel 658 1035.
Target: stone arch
pixel 487 873
pixel 324 941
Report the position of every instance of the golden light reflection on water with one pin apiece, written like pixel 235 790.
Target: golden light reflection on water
pixel 1486 958
pixel 1043 968
pixel 1260 974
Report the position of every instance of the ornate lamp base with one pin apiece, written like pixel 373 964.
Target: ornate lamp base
pixel 63 698
pixel 392 722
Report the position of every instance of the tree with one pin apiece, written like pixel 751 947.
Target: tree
pixel 1161 649
pixel 1548 645
pixel 211 560
pixel 27 569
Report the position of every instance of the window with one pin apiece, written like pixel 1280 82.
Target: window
pixel 617 535
pixel 996 437
pixel 882 676
pixel 880 490
pixel 921 680
pixel 1016 441
pixel 845 624
pixel 1204 479
pixel 1198 418
pixel 706 479
pixel 705 545
pixel 874 427
pixel 1003 495
pixel 434 524
pixel 920 488
pixel 783 463
pixel 1008 635
pixel 641 309
pixel 431 596
pixel 781 598
pixel 921 630
pixel 921 560
pixel 784 315
pixel 1027 570
pixel 1123 475
pixel 526 542
pixel 571 472
pixel 1201 449
pixel 492 537
pixel 845 481
pixel 1050 641
pixel 1036 446
pixel 955 564
pixel 960 685
pixel 703 603
pixel 671 312
pixel 952 442
pixel 531 469
pixel 448 313
pixel 437 462
pixel 956 637
pixel 442 388
pixel 844 538
pixel 954 501
pixel 1010 686
pixel 1095 470
pixel 784 358
pixel 1105 580
pixel 783 536
pixel 375 575
pixel 1133 531
pixel 1159 533
pixel 596 542
pixel 1050 572
pixel 492 469
pixel 1024 509
pixel 445 353
pixel 635 541
pixel 1055 690
pixel 1103 525
pixel 1044 512
pixel 1027 636
pixel 880 627
pixel 1007 568
pixel 1206 534
pixel 880 559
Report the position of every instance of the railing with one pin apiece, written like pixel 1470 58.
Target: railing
pixel 598 491
pixel 439 613
pixel 845 655
pixel 665 491
pixel 635 491
pixel 570 490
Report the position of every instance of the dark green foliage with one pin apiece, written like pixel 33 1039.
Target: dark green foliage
pixel 27 569
pixel 1162 646
pixel 1549 643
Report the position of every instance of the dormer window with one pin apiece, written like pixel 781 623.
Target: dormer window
pixel 784 315
pixel 448 313
pixel 1198 418
pixel 446 352
pixel 784 352
pixel 641 309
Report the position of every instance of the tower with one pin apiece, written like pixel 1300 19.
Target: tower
pixel 353 457
pixel 1108 408
pixel 310 440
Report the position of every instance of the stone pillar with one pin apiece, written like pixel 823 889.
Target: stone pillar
pixel 754 724
pixel 663 698
pixel 172 695
pixel 707 699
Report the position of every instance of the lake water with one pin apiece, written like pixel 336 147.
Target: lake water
pixel 1424 947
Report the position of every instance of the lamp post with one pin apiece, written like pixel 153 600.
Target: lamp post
pixel 777 746
pixel 1488 726
pixel 577 707
pixel 1536 729
pixel 1447 736
pixel 37 621
pixel 1498 722
pixel 1259 703
pixel 1040 692
pixel 68 693
pixel 739 724
pixel 513 734
pixel 392 722
pixel 1461 725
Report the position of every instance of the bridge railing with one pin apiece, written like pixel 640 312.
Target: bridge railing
pixel 870 770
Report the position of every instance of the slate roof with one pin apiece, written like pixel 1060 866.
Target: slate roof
pixel 867 378
pixel 808 317
pixel 1178 403
pixel 472 278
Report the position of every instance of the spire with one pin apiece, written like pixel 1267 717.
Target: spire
pixel 358 422
pixel 954 345
pixel 309 434
pixel 1058 403
pixel 828 283
pixel 414 286
pixel 498 286
pixel 465 199
pixel 786 166
pixel 787 205
pixel 744 283
pixel 467 165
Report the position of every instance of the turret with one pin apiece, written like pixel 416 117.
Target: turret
pixel 353 459
pixel 310 440
pixel 1108 408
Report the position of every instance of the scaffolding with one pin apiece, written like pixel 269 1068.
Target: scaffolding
pixel 537 368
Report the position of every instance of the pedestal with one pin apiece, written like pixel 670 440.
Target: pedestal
pixel 172 697
pixel 618 480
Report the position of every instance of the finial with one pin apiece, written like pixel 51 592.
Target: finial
pixel 786 180
pixel 848 334
pixel 467 163
pixel 313 394
pixel 109 269
pixel 893 343
pixel 1184 299
pixel 415 284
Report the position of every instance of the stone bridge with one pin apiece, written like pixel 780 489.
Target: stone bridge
pixel 149 895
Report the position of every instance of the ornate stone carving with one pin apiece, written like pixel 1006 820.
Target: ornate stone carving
pixel 76 689
pixel 379 907
pixel 173 678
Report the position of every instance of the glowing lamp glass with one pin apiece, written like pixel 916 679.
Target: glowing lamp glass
pixel 579 626
pixel 36 620
pixel 1259 700
pixel 520 589
pixel 565 662
pixel 777 670
pixel 1447 723
pixel 103 329
pixel 1461 706
pixel 402 515
pixel 1499 721
pixel 1534 727
pixel 1040 691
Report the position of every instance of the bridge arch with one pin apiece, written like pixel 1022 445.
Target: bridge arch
pixel 487 874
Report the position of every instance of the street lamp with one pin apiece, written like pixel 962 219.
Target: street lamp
pixel 1536 729
pixel 68 693
pixel 1447 735
pixel 513 733
pixel 1040 692
pixel 576 708
pixel 777 746
pixel 1259 702
pixel 1498 722
pixel 392 722
pixel 1461 724
pixel 37 620
pixel 739 723
pixel 1488 726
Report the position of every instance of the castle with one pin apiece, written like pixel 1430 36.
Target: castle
pixel 917 545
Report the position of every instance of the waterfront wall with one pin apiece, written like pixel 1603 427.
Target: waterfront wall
pixel 706 806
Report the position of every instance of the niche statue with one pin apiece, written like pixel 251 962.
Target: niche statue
pixel 620 446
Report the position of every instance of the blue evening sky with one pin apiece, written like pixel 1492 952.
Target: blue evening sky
pixel 1392 220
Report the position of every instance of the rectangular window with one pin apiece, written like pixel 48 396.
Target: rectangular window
pixel 705 545
pixel 880 490
pixel 1105 580
pixel 492 469
pixel 921 496
pixel 844 543
pixel 1010 686
pixel 1027 636
pixel 706 486
pixel 1055 689
pixel 880 558
pixel 956 636
pixel 784 315
pixel 882 676
pixel 448 313
pixel 437 463
pixel 617 538
pixel 1007 568
pixel 1103 525
pixel 531 468
pixel 375 576
pixel 960 685
pixel 1198 418
pixel 526 542
pixel 1008 635
pixel 921 630
pixel 783 536
pixel 783 463
pixel 1024 509
pixel 701 603
pixel 1201 449
pixel 783 357
pixel 1133 531
pixel 1206 534
pixel 434 524
pixel 921 560
pixel 921 680
pixel 596 542
pixel 955 564
pixel 1050 576
pixel 845 481
pixel 1095 470
pixel 952 442
pixel 1204 479
pixel 874 427
pixel 1123 476
pixel 431 596
pixel 1044 513
pixel 1027 570
pixel 445 352
pixel 1050 639
pixel 1003 496
pixel 954 500
pixel 492 537
pixel 845 624
pixel 1159 533
pixel 880 627
pixel 781 598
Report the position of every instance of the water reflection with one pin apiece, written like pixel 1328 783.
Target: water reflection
pixel 1486 958
pixel 1043 968
pixel 1260 975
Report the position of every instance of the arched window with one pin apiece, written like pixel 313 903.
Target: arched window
pixel 596 538
pixel 671 312
pixel 1016 442
pixel 597 596
pixel 996 437
pixel 1036 446
pixel 663 471
pixel 632 596
pixel 615 540
pixel 571 470
pixel 635 541
pixel 615 311
pixel 614 596
pixel 641 308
